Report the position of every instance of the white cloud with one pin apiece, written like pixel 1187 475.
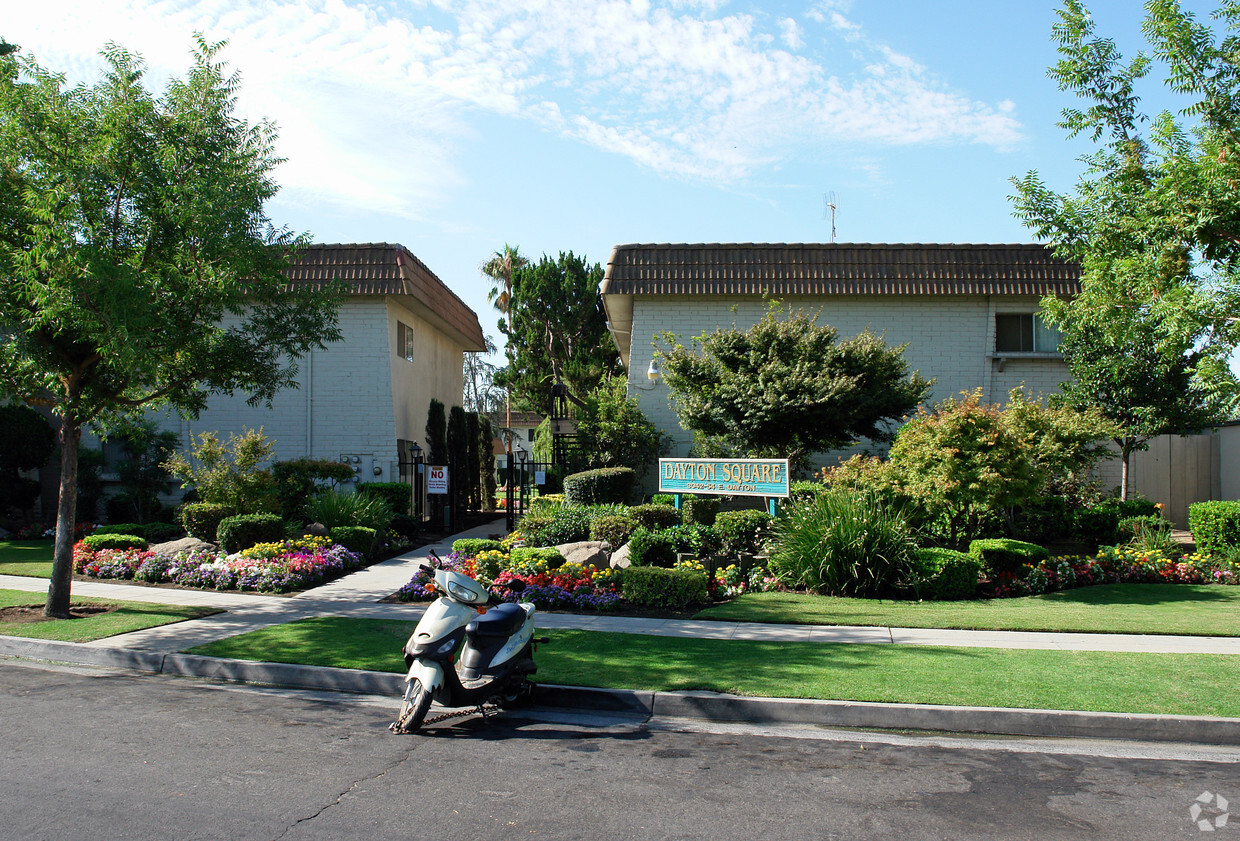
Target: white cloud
pixel 373 100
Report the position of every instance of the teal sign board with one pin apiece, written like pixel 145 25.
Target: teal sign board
pixel 728 476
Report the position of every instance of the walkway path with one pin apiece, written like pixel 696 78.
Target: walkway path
pixel 358 595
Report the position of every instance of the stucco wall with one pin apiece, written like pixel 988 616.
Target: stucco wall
pixel 435 372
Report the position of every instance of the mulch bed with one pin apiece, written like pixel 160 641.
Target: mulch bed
pixel 26 613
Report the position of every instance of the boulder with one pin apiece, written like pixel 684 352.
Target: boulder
pixel 185 544
pixel 620 558
pixel 592 553
pixel 315 530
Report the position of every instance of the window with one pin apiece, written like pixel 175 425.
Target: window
pixel 404 341
pixel 1024 333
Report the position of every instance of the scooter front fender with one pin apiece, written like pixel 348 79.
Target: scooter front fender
pixel 429 673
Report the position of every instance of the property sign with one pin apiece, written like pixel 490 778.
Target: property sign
pixel 731 476
pixel 437 479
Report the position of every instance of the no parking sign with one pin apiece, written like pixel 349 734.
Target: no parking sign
pixel 437 479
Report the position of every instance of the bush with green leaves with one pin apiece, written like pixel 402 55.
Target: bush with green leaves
pixel 663 499
pixel 699 509
pixel 343 508
pixel 406 526
pixel 531 528
pixel 652 548
pixel 241 531
pixel 842 543
pixel 651 586
pixel 1095 524
pixel 229 473
pixel 742 531
pixel 359 539
pixel 945 574
pixel 604 485
pixel 1215 525
pixel 122 528
pixel 1131 507
pixel 696 539
pixel 654 516
pixel 525 560
pixel 95 542
pixel 805 490
pixel 162 532
pixel 471 547
pixel 299 479
pixel 201 519
pixel 613 528
pixel 397 495
pixel 1002 556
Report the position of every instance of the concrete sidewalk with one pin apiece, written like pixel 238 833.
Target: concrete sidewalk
pixel 358 594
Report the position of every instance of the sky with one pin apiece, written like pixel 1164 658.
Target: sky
pixel 455 128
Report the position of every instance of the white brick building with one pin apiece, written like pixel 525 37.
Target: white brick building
pixel 405 334
pixel 968 313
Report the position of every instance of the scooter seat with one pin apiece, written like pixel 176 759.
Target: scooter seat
pixel 499 621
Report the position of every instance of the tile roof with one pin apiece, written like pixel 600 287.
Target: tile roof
pixel 838 269
pixel 380 268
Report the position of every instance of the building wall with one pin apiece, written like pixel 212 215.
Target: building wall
pixel 950 339
pixel 434 373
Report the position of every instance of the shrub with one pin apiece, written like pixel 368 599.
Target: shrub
pixel 652 548
pixel 656 587
pixel 700 509
pixel 201 519
pixel 531 528
pixel 1043 519
pixel 1131 507
pixel 524 560
pixel 122 528
pixel 613 528
pixel 702 541
pixel 942 574
pixel 229 474
pixel 244 530
pixel 397 495
pixel 299 479
pixel 742 531
pixel 162 532
pixel 95 542
pixel 471 547
pixel 359 539
pixel 663 499
pixel 545 504
pixel 804 491
pixel 843 543
pixel 1095 524
pixel 343 508
pixel 655 517
pixel 606 484
pixel 569 523
pixel 406 526
pixel 1001 556
pixel 1215 525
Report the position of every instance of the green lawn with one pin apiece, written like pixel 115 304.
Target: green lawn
pixel 26 557
pixel 129 616
pixel 1202 610
pixel 1179 684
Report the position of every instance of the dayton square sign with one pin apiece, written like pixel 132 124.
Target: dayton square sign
pixel 728 476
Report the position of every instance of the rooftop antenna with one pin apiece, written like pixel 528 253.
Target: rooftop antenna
pixel 830 203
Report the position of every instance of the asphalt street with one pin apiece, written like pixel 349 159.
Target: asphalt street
pixel 99 754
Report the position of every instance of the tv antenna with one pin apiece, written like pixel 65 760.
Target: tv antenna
pixel 830 203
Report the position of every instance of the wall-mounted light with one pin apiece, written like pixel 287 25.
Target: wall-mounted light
pixel 652 373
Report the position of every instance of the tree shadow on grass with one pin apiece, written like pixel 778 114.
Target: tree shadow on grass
pixel 1147 594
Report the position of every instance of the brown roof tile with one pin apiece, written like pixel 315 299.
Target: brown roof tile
pixel 380 268
pixel 838 269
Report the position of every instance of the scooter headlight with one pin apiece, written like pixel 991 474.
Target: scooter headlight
pixel 446 648
pixel 462 593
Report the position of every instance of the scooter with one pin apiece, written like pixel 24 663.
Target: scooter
pixel 496 650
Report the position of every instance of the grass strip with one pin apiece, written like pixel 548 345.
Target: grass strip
pixel 1193 609
pixel 1178 684
pixel 128 616
pixel 26 557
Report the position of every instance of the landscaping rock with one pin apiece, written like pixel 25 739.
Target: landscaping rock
pixel 185 544
pixel 620 558
pixel 586 553
pixel 315 530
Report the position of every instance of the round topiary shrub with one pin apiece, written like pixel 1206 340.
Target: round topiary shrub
pixel 606 484
pixel 201 519
pixel 245 530
pixel 655 516
pixel 742 531
pixel 613 528
pixel 95 542
pixel 358 539
pixel 652 548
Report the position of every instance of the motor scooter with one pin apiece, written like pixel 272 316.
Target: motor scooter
pixel 496 650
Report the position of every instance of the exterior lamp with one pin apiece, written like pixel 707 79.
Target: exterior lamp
pixel 417 451
pixel 522 454
pixel 652 373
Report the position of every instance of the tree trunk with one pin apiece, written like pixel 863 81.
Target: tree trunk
pixel 1123 472
pixel 57 606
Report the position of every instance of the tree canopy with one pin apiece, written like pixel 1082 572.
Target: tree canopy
pixel 139 267
pixel 1154 221
pixel 786 388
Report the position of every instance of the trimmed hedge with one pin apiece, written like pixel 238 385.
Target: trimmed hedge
pixel 742 531
pixel 397 495
pixel 616 529
pixel 1215 525
pixel 359 539
pixel 657 587
pixel 1001 555
pixel 471 547
pixel 1095 525
pixel 606 484
pixel 654 516
pixel 162 532
pixel 699 509
pixel 946 574
pixel 652 548
pixel 95 542
pixel 201 519
pixel 244 530
pixel 122 528
pixel 524 555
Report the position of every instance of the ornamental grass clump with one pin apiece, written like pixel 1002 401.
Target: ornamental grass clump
pixel 843 543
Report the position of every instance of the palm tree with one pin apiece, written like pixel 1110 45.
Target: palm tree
pixel 500 269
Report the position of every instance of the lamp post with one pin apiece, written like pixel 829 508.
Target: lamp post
pixel 509 515
pixel 521 456
pixel 417 481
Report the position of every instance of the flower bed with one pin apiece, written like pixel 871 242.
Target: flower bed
pixel 267 567
pixel 1112 565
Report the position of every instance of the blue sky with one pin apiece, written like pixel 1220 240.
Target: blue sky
pixel 456 127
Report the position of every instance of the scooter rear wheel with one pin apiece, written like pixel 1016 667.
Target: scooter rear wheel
pixel 413 711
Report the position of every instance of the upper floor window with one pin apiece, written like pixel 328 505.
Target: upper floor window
pixel 404 341
pixel 1024 333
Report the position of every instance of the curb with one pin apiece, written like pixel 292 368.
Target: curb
pixel 708 706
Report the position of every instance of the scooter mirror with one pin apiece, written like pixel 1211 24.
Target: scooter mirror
pixel 516 585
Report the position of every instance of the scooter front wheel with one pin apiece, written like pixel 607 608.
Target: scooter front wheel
pixel 414 708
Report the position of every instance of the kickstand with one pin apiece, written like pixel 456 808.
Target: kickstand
pixel 486 716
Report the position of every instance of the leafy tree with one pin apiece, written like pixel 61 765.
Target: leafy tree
pixel 486 462
pixel 481 392
pixel 28 444
pixel 458 460
pixel 500 268
pixel 557 331
pixel 473 460
pixel 230 473
pixel 785 388
pixel 1154 222
pixel 138 265
pixel 613 432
